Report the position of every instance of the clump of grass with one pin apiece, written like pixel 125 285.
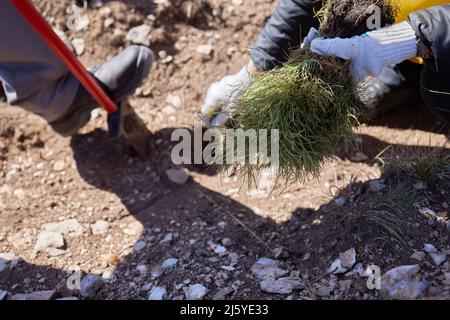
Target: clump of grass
pixel 389 216
pixel 383 218
pixel 312 108
pixel 312 100
pixel 430 165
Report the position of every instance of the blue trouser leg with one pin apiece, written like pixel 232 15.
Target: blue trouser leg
pixel 33 77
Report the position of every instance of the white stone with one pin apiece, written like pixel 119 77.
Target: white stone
pixel 139 246
pixel 227 242
pixel 157 294
pixel 69 227
pixel 9 258
pixel 90 285
pixel 400 273
pixel 340 202
pixel 142 269
pixel 418 255
pixel 21 238
pixel 48 239
pixel 228 268
pixel 13 173
pixel 169 264
pixel 348 258
pixel 323 290
pixel 134 229
pixel 79 45
pixel 169 110
pixel 281 286
pixel 438 258
pixel 19 194
pixel 35 296
pixel 5 189
pixel 174 100
pixel 140 35
pixel 220 250
pixel 195 292
pixel 81 23
pixel 108 22
pixel 157 271
pixel 104 11
pixel 167 240
pixel 205 49
pixel 398 283
pixel 178 176
pixel 108 276
pixel 336 267
pixel 427 212
pixel 358 270
pixel 265 269
pixel 429 248
pixel 408 290
pixel 100 227
pixel 59 165
pixel 53 252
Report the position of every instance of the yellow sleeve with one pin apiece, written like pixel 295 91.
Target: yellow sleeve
pixel 408 6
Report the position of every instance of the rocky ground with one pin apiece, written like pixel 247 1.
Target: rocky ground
pixel 87 212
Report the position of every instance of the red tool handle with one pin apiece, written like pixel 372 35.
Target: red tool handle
pixel 38 22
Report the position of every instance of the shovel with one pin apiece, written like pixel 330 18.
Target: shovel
pixel 122 119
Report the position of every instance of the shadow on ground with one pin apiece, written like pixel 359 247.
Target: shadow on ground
pixel 415 116
pixel 325 232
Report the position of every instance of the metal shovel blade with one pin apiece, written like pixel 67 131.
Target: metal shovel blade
pixel 134 130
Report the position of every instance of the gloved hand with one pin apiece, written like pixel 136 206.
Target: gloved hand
pixel 312 35
pixel 373 51
pixel 222 95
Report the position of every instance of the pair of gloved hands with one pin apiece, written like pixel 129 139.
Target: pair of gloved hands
pixel 370 54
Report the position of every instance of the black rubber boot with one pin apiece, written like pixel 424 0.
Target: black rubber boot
pixel 396 87
pixel 119 77
pixel 2 93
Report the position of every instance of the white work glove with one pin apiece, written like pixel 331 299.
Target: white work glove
pixel 373 51
pixel 222 95
pixel 312 35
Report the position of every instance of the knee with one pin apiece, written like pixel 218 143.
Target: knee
pixel 436 93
